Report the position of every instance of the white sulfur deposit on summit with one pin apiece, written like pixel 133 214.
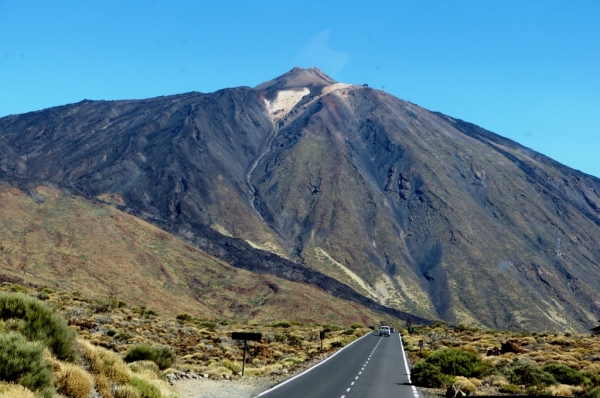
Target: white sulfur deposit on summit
pixel 285 102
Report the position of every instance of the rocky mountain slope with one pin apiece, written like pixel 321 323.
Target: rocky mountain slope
pixel 411 208
pixel 64 242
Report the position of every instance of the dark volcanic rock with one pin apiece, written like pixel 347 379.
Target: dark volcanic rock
pixel 409 208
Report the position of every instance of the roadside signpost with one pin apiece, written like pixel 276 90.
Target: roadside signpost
pixel 421 346
pixel 409 326
pixel 246 336
pixel 322 337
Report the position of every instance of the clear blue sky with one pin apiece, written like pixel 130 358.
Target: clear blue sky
pixel 528 70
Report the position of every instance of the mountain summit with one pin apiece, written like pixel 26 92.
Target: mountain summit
pixel 343 186
pixel 297 78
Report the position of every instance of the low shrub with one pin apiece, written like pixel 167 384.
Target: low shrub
pixel 22 362
pixel 15 391
pixel 160 355
pixel 74 381
pixel 106 363
pixel 145 389
pixel 211 326
pixel 425 374
pixel 331 328
pixel 592 392
pixel 235 367
pixel 184 317
pixel 126 392
pixel 41 323
pixel 103 385
pixel 356 326
pixel 457 362
pixel 348 332
pixel 123 336
pixel 466 328
pixel 465 385
pixel 566 375
pixel 282 324
pixel 509 389
pixel 294 340
pixel 528 374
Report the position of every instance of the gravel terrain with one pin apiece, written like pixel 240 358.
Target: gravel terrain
pixel 205 388
pixel 239 388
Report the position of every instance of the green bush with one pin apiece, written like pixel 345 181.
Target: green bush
pixel 331 328
pixel 466 328
pixel 294 340
pixel 509 389
pixel 566 375
pixel 529 375
pixel 211 326
pixel 457 362
pixel 356 326
pixel 594 378
pixel 184 317
pixel 123 336
pixel 160 355
pixel 23 362
pixel 41 323
pixel 145 389
pixel 348 332
pixel 425 374
pixel 593 392
pixel 282 324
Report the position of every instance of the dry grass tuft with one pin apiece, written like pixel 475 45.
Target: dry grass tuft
pixel 107 363
pixel 565 390
pixel 464 384
pixel 74 381
pixel 126 392
pixel 103 386
pixel 9 390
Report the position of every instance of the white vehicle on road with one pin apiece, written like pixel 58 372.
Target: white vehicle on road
pixel 384 331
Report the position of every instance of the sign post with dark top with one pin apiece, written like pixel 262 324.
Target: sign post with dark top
pixel 322 337
pixel 246 336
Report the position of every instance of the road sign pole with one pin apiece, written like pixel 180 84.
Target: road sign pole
pixel 244 360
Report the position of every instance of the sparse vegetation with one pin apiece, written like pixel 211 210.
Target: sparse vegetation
pixel 162 356
pixel 40 323
pixel 121 350
pixel 40 354
pixel 503 362
pixel 22 362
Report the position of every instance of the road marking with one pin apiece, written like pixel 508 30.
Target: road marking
pixel 414 389
pixel 347 390
pixel 415 393
pixel 356 378
pixel 352 383
pixel 309 369
pixel 359 373
pixel 405 361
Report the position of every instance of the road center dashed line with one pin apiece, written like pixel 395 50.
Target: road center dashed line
pixel 363 368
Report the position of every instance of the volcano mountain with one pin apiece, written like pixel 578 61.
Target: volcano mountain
pixel 316 181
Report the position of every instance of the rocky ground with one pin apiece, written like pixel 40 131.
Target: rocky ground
pixel 189 385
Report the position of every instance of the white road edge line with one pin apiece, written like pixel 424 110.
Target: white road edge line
pixel 309 369
pixel 414 389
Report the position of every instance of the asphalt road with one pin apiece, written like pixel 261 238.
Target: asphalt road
pixel 371 366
